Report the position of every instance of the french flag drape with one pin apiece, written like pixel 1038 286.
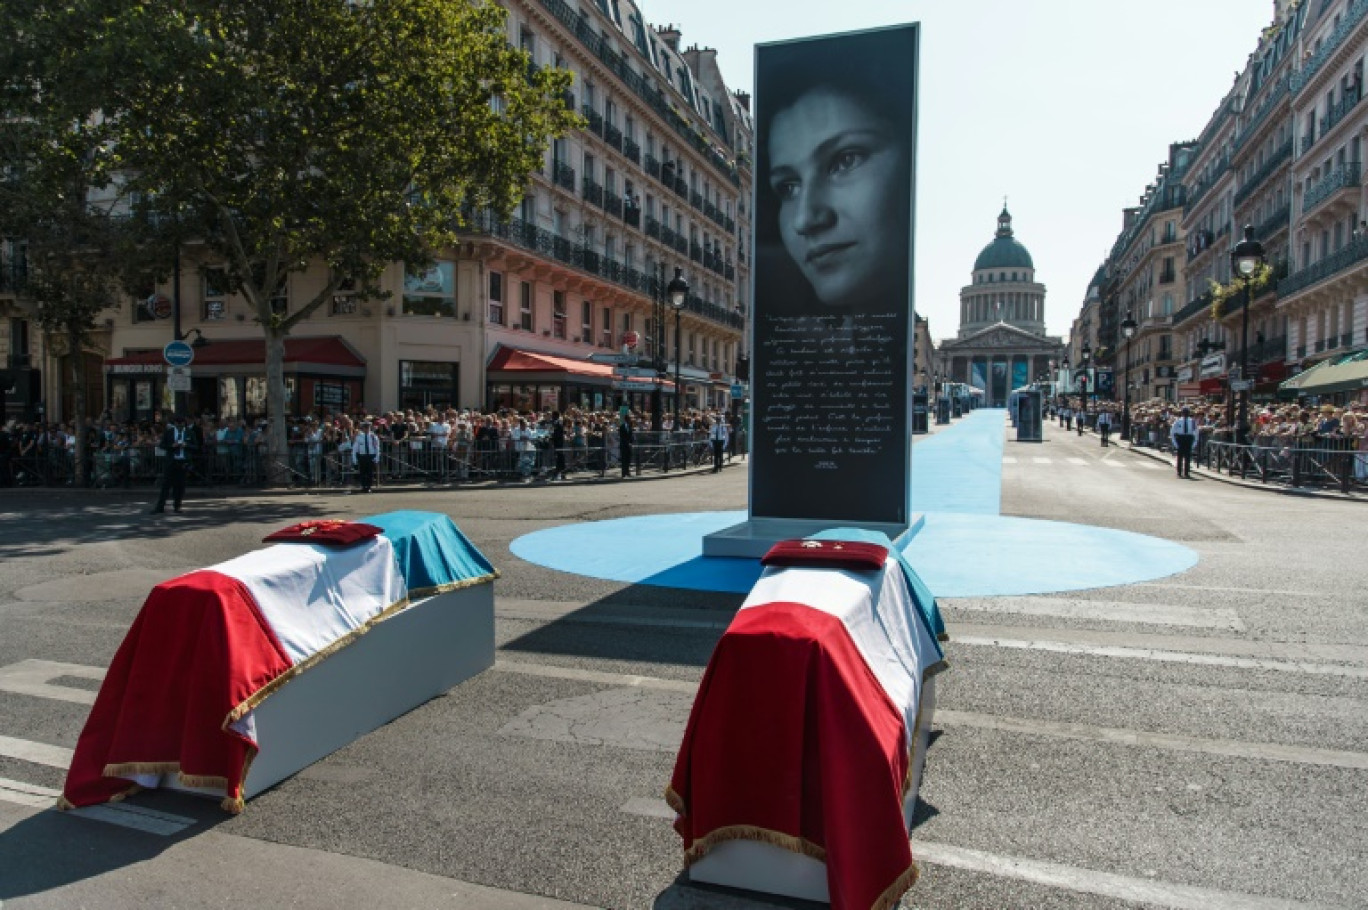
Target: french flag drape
pixel 208 647
pixel 802 731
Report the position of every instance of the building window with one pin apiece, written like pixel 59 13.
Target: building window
pixel 431 291
pixel 344 302
pixel 146 304
pixel 607 339
pixel 423 383
pixel 587 322
pixel 558 314
pixel 496 298
pixel 525 312
pixel 215 293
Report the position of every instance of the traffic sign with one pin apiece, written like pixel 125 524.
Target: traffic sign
pixel 1241 385
pixel 738 390
pixel 178 354
pixel 178 379
pixel 634 385
pixel 630 372
pixel 613 358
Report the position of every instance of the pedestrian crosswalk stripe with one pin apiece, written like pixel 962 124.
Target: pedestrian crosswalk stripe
pixel 1148 465
pixel 1042 460
pixel 1077 460
pixel 1113 464
pixel 1009 459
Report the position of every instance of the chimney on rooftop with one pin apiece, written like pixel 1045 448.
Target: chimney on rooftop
pixel 670 35
pixel 743 98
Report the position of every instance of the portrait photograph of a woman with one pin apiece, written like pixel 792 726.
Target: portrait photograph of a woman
pixel 835 154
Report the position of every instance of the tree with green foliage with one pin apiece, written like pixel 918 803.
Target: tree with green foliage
pixel 60 196
pixel 297 134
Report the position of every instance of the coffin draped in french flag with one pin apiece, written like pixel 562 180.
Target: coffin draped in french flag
pixel 809 727
pixel 179 702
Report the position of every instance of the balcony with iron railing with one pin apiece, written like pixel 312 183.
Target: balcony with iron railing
pixel 653 165
pixel 1340 109
pixel 668 236
pixel 593 191
pixel 1277 92
pixel 1197 305
pixel 613 136
pixel 1343 177
pixel 1312 65
pixel 539 240
pixel 631 150
pixel 593 119
pixel 1266 170
pixel 696 199
pixel 1353 253
pixel 681 187
pixel 653 228
pixel 631 213
pixel 612 204
pixel 696 253
pixel 1197 191
pixel 580 25
pixel 563 175
pixel 1275 222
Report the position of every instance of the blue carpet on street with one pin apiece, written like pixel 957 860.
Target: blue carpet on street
pixel 966 548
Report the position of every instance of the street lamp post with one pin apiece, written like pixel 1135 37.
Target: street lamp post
pixel 1085 380
pixel 1245 261
pixel 658 349
pixel 678 292
pixel 1128 332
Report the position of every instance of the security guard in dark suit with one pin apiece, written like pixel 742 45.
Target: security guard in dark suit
pixel 177 443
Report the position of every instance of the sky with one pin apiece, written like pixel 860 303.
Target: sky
pixel 1065 107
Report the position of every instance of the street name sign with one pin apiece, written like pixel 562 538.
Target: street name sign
pixel 629 372
pixel 613 358
pixel 634 385
pixel 178 354
pixel 1241 385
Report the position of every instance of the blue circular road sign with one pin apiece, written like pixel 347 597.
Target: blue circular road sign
pixel 178 354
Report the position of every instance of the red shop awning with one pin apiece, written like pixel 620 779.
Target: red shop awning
pixel 515 360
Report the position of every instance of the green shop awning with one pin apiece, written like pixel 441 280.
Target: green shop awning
pixel 1346 373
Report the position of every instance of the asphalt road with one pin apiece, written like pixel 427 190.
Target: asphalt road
pixel 1197 741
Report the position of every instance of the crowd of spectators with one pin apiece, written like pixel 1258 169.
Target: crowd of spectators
pixel 1281 428
pixel 434 444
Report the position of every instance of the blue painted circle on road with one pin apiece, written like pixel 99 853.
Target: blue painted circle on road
pixel 178 354
pixel 957 555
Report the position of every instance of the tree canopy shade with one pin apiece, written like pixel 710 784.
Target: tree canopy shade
pixel 285 134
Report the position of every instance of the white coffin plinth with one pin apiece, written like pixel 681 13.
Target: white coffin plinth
pixel 757 866
pixel 415 655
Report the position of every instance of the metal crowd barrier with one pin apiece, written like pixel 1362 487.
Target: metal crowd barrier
pixel 329 466
pixel 1319 462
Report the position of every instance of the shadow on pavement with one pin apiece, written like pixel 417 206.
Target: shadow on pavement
pixel 620 627
pixel 52 849
pixel 61 525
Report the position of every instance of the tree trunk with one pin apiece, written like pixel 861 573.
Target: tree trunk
pixel 277 436
pixel 78 403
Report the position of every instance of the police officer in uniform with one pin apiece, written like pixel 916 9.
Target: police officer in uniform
pixel 176 443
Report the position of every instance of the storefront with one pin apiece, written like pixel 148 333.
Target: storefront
pixel 228 380
pixel 521 381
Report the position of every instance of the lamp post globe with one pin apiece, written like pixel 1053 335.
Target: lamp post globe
pixel 1245 261
pixel 677 292
pixel 1128 327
